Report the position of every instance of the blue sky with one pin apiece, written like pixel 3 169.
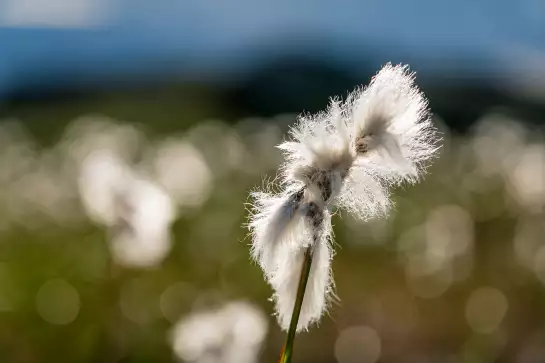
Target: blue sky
pixel 47 38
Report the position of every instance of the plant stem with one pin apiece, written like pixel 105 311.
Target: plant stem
pixel 287 350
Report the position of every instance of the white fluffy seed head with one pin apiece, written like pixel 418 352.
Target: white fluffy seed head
pixel 391 125
pixel 348 157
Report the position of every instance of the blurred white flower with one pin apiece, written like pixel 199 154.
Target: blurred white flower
pixel 232 334
pixel 526 177
pixel 137 211
pixel 182 171
pixel 92 133
pixel 103 176
pixel 142 236
pixel 345 157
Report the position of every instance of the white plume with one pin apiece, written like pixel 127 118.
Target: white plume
pixel 348 156
pixel 275 226
pixel 391 125
pixel 320 282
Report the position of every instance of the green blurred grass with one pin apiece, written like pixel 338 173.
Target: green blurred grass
pixel 210 255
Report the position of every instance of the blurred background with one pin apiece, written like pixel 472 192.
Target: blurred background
pixel 132 131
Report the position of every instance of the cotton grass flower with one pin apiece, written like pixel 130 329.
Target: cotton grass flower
pixel 346 157
pixel 234 333
pixel 136 210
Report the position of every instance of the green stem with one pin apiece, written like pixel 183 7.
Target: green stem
pixel 287 351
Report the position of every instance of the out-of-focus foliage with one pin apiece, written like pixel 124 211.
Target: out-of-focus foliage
pixel 111 231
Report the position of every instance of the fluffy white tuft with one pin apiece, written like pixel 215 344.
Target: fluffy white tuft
pixel 346 157
pixel 390 119
pixel 319 286
pixel 276 224
pixel 320 142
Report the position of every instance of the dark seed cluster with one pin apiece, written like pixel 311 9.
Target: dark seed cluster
pixel 362 143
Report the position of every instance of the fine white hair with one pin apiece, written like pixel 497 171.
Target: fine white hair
pixel 348 157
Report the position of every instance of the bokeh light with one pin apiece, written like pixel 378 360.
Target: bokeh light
pixel 58 302
pixel 358 344
pixel 485 309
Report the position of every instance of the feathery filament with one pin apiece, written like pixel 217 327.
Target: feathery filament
pixel 346 157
